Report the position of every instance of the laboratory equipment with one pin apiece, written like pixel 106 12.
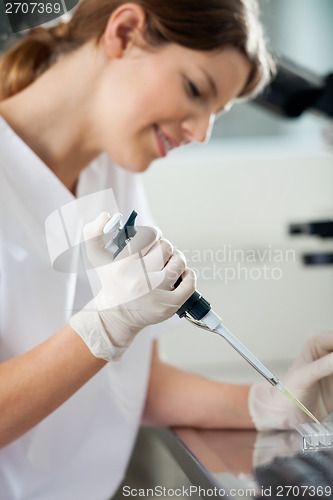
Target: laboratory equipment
pixel 316 436
pixel 320 228
pixel 123 234
pixel 198 311
pixel 295 90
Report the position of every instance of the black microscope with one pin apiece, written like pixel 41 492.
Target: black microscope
pixel 292 92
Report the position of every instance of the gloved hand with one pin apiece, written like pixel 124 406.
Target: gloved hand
pixel 136 289
pixel 310 379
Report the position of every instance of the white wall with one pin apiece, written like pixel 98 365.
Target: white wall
pixel 236 195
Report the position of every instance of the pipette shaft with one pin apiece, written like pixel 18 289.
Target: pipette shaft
pixel 214 323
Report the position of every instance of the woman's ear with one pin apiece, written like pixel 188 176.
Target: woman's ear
pixel 124 29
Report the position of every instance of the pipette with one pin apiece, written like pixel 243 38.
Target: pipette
pixel 198 310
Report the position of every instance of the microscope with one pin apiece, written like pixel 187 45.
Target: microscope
pixel 292 92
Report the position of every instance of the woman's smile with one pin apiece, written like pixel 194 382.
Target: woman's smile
pixel 165 142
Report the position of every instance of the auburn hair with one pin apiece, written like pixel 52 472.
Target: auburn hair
pixel 195 24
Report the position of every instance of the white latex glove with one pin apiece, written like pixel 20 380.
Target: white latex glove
pixel 310 379
pixel 136 289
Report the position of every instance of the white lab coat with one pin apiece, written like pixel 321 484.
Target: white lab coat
pixel 81 450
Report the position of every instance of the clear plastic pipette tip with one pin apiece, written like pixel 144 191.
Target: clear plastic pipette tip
pixel 293 398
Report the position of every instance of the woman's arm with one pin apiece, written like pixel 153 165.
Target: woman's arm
pixel 35 383
pixel 179 398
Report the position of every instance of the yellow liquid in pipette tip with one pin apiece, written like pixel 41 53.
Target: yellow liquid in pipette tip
pixel 297 402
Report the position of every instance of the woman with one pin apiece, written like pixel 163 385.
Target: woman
pixel 121 83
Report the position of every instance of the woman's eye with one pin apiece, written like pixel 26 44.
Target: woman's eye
pixel 195 92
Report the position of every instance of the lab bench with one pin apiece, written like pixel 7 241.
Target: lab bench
pixel 196 463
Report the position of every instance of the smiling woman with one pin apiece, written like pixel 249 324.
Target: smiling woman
pixel 188 62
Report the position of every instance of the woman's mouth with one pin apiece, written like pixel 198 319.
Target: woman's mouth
pixel 165 142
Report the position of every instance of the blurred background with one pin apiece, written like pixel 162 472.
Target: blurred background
pixel 229 205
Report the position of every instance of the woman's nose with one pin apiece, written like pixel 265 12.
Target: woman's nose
pixel 199 128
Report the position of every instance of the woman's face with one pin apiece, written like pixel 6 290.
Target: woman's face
pixel 152 101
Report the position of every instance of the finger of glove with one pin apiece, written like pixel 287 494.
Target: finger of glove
pixel 174 298
pixel 158 255
pixel 313 372
pixel 138 282
pixel 319 345
pixel 316 347
pixel 95 227
pixel 174 268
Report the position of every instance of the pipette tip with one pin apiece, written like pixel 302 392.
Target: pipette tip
pixel 293 398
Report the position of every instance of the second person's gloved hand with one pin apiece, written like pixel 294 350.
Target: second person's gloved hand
pixel 136 289
pixel 310 379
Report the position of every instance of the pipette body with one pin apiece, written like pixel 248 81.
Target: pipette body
pixel 198 310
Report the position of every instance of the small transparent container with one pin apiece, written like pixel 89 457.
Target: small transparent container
pixel 316 436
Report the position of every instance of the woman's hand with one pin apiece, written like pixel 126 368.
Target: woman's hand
pixel 310 379
pixel 136 289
